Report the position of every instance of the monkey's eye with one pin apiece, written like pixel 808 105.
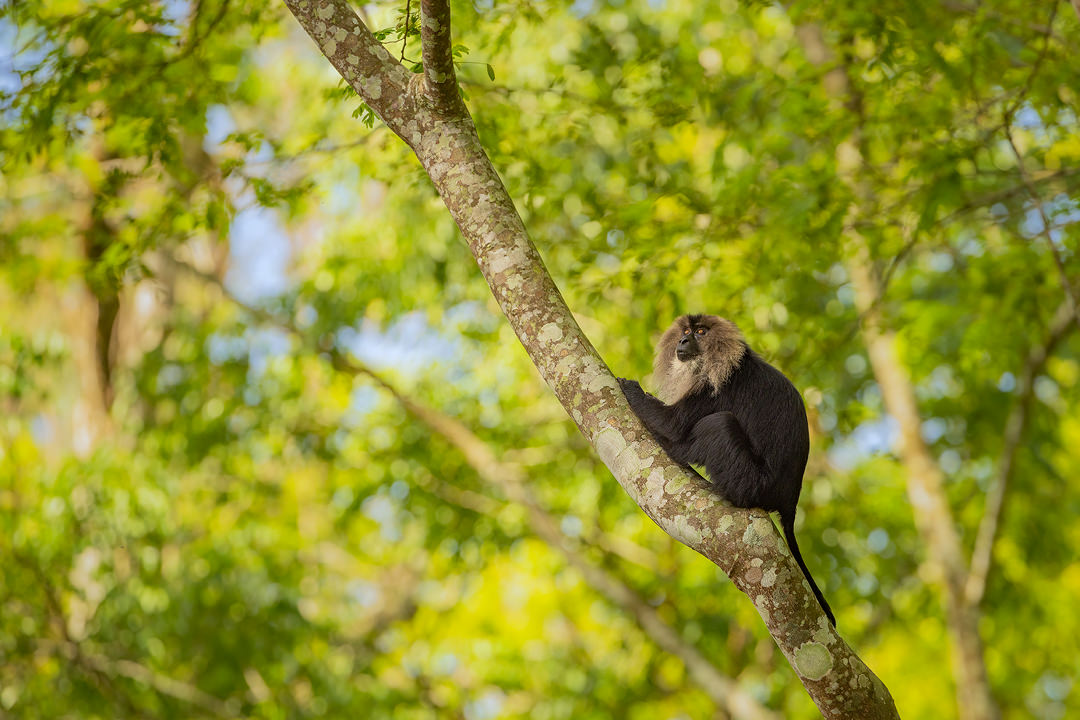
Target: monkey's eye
pixel 686 331
pixel 701 331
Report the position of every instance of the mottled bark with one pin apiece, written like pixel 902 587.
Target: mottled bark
pixel 744 543
pixel 438 55
pixel 361 60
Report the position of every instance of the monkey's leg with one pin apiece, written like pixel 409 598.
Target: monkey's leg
pixel 719 443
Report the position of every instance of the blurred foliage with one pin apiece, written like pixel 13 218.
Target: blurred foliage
pixel 245 530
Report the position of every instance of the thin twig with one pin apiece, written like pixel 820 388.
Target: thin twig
pixel 1035 67
pixel 1059 262
pixel 405 30
pixel 1007 120
pixel 314 149
pixel 195 39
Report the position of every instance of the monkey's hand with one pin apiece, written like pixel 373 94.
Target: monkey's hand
pixel 631 389
pixel 653 414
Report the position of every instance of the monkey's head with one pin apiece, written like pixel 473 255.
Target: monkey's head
pixel 695 352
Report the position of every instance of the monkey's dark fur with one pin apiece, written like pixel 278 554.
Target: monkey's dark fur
pixel 724 408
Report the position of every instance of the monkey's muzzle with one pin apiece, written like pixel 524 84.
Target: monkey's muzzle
pixel 687 348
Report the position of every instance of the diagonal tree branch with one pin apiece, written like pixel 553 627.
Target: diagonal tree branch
pixel 611 544
pixel 163 684
pixel 744 543
pixel 1015 424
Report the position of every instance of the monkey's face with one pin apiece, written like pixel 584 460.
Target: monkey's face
pixel 697 350
pixel 694 336
pixel 689 345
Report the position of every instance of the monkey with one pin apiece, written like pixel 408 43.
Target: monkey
pixel 722 407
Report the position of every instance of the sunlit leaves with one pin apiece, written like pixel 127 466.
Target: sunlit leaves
pixel 276 532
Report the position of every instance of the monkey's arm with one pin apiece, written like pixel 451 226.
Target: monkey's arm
pixel 658 418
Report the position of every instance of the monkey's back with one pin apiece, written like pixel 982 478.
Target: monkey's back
pixel 772 414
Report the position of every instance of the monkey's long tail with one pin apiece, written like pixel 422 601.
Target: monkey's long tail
pixel 789 535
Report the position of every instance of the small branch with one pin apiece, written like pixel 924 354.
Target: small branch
pixel 405 32
pixel 1015 424
pixel 623 547
pixel 614 545
pixel 102 668
pixel 163 684
pixel 195 38
pixel 984 201
pixel 1007 120
pixel 1035 67
pixel 96 663
pixel 439 76
pixel 467 499
pixel 962 8
pixel 315 149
